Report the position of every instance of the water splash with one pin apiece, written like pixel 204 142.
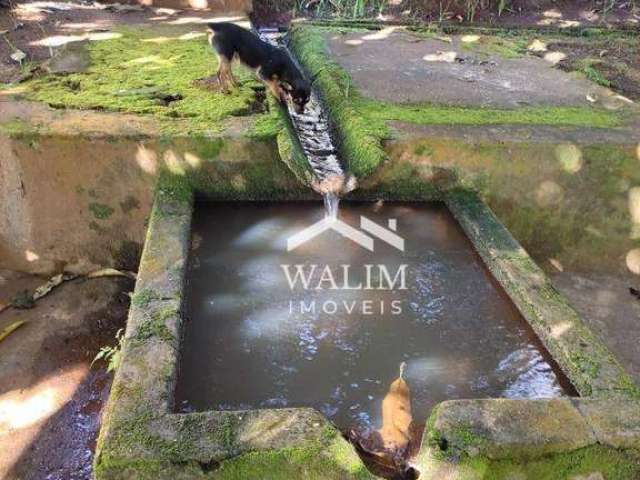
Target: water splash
pixel 331 204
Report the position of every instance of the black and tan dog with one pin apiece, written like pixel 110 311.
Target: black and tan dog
pixel 273 65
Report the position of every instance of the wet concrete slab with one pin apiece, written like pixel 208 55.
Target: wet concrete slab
pixel 401 67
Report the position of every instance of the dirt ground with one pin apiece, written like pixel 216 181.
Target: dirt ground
pixel 615 63
pixel 562 13
pixel 50 397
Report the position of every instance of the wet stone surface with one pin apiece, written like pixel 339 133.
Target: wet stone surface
pixel 252 341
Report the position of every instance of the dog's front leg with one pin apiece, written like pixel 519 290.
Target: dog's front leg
pixel 224 74
pixel 276 90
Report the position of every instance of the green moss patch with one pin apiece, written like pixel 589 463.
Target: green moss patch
pixel 428 114
pixel 331 458
pixel 360 137
pixel 100 210
pixel 147 72
pixel 155 326
pixel 582 463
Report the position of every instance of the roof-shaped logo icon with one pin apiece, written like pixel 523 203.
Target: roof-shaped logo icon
pixel 387 235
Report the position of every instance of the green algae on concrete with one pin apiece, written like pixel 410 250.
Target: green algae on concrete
pixel 101 170
pixel 317 461
pixel 589 463
pixel 499 439
pixel 561 199
pixel 265 178
pixel 592 369
pixel 428 114
pixel 289 148
pixel 142 438
pixel 359 138
pixel 100 210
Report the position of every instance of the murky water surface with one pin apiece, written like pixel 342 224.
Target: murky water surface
pixel 252 341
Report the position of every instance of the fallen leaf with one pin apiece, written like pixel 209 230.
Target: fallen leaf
pixel 448 57
pixel 10 329
pixel 111 272
pixel 556 263
pixel 469 38
pixel 555 57
pixel 537 46
pixel 18 56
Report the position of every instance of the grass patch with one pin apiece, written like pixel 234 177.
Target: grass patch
pixel 588 67
pixel 143 72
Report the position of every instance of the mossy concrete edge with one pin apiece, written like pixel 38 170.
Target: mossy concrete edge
pixel 142 438
pixel 547 439
pixel 591 367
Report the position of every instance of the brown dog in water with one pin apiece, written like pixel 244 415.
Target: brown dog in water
pixel 389 446
pixel 396 414
pixel 273 65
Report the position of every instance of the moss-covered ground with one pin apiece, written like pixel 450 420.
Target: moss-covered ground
pixel 155 72
pixel 583 463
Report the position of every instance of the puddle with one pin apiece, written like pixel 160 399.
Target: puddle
pixel 250 343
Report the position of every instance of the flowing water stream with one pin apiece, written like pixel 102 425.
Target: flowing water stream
pixel 314 132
